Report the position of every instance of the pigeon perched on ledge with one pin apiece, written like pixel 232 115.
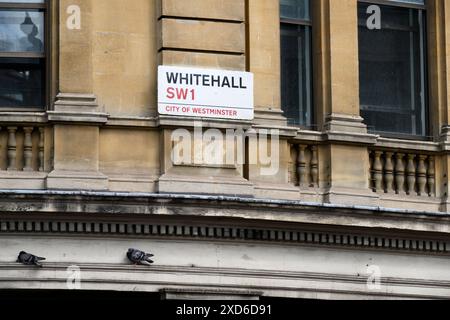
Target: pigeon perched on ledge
pixel 29 259
pixel 139 257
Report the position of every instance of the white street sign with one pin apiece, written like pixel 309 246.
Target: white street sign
pixel 204 93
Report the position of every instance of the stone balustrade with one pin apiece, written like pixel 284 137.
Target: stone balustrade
pixel 305 166
pixel 22 148
pixel 403 173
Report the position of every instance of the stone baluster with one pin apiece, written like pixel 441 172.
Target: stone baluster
pixel 399 173
pixel 431 177
pixel 12 148
pixel 378 171
pixel 41 149
pixel 372 179
pixel 389 172
pixel 314 166
pixel 410 174
pixel 421 175
pixel 301 165
pixel 28 149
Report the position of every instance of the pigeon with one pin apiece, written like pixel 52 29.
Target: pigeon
pixel 139 257
pixel 29 259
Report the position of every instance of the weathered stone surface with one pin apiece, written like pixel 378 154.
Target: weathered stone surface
pixel 205 9
pixel 215 224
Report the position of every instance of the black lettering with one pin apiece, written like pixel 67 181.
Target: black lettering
pixel 206 80
pixel 197 79
pixel 215 81
pixel 226 82
pixel 234 85
pixel 241 84
pixel 184 78
pixel 172 77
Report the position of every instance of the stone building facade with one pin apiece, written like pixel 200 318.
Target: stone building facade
pixel 358 207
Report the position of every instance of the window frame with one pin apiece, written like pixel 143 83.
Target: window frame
pixel 424 70
pixel 45 7
pixel 396 4
pixel 306 23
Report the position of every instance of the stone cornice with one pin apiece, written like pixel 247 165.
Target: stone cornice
pixel 142 278
pixel 77 108
pixel 22 118
pixel 179 229
pixel 425 146
pixel 210 209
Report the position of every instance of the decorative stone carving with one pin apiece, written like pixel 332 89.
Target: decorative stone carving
pixel 389 172
pixel 41 149
pixel 307 166
pixel 301 165
pixel 28 149
pixel 12 148
pixel 410 174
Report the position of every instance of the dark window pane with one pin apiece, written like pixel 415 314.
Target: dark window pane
pixel 295 9
pixel 21 82
pixel 296 74
pixel 421 2
pixel 21 31
pixel 392 71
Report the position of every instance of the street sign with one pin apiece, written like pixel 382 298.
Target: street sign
pixel 204 93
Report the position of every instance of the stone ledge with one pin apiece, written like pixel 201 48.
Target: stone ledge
pixel 244 210
pixel 270 283
pixel 23 118
pixel 219 185
pixel 132 182
pixel 72 180
pixel 415 145
pixel 131 122
pixel 351 138
pixel 23 180
pixel 77 117
pixel 188 230
pixel 186 122
pixel 208 294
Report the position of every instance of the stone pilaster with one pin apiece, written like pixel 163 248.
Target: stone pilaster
pixel 439 67
pixel 76 115
pixel 208 34
pixel 263 51
pixel 335 43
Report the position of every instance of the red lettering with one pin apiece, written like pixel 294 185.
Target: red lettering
pixel 182 94
pixel 170 93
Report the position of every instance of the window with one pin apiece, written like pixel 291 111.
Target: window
pixel 392 68
pixel 296 96
pixel 22 54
